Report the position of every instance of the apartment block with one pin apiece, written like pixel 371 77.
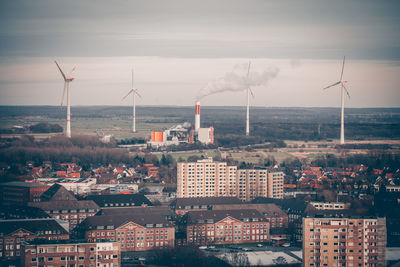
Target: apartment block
pixel 344 241
pixel 71 253
pixel 206 178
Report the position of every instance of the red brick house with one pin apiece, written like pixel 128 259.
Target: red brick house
pixel 225 227
pixel 135 231
pixel 20 193
pixel 14 232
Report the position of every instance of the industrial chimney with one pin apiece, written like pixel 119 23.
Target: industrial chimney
pixel 197 117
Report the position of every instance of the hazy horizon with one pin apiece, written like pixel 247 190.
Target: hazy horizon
pixel 181 50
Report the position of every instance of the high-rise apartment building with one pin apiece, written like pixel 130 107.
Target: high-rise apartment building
pixel 206 178
pixel 344 241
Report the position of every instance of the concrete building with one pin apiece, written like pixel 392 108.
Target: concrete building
pixel 71 253
pixel 206 178
pixel 344 241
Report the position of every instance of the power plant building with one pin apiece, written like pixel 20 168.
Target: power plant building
pixel 206 178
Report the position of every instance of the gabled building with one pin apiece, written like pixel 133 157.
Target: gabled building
pixel 15 232
pixel 135 231
pixel 57 192
pixel 224 227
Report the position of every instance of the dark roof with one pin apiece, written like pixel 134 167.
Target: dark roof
pixel 267 209
pixel 22 184
pixel 102 200
pixel 193 217
pixel 285 204
pixel 57 192
pixel 21 212
pixel 181 203
pixel 163 210
pixel 42 241
pixel 65 205
pixel 31 225
pixel 117 220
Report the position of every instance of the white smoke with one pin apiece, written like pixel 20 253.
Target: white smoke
pixel 237 80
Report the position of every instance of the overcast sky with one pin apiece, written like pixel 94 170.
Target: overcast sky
pixel 178 47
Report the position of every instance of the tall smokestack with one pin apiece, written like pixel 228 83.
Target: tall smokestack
pixel 197 117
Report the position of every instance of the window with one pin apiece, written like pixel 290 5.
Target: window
pixel 50 259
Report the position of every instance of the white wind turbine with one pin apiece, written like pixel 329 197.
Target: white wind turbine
pixel 67 80
pixel 248 102
pixel 343 89
pixel 134 92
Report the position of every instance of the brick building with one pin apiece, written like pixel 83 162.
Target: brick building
pixel 275 215
pixel 136 231
pixel 224 227
pixel 20 193
pixel 347 241
pixel 72 211
pixel 70 253
pixel 14 232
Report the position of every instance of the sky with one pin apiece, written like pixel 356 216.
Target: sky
pixel 180 49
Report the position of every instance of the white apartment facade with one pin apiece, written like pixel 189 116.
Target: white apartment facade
pixel 206 178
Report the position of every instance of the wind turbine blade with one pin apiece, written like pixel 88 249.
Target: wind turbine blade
pixel 127 94
pixel 63 96
pixel 132 79
pixel 347 91
pixel 72 71
pixel 136 92
pixel 248 70
pixel 336 83
pixel 341 75
pixel 62 73
pixel 251 92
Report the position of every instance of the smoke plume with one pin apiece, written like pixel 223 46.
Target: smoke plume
pixel 237 80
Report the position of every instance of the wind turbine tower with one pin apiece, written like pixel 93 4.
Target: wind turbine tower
pixel 343 90
pixel 248 102
pixel 134 92
pixel 67 80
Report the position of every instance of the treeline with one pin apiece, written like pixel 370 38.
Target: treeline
pixel 308 131
pixel 42 127
pixel 374 159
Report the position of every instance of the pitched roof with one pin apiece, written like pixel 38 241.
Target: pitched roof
pixel 57 192
pixel 65 205
pixel 106 200
pixel 117 220
pixel 267 209
pixel 214 216
pixel 163 210
pixel 32 225
pixel 284 204
pixel 181 203
pixel 21 212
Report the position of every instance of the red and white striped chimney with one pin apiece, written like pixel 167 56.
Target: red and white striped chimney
pixel 197 117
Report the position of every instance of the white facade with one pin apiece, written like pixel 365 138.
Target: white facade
pixel 206 178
